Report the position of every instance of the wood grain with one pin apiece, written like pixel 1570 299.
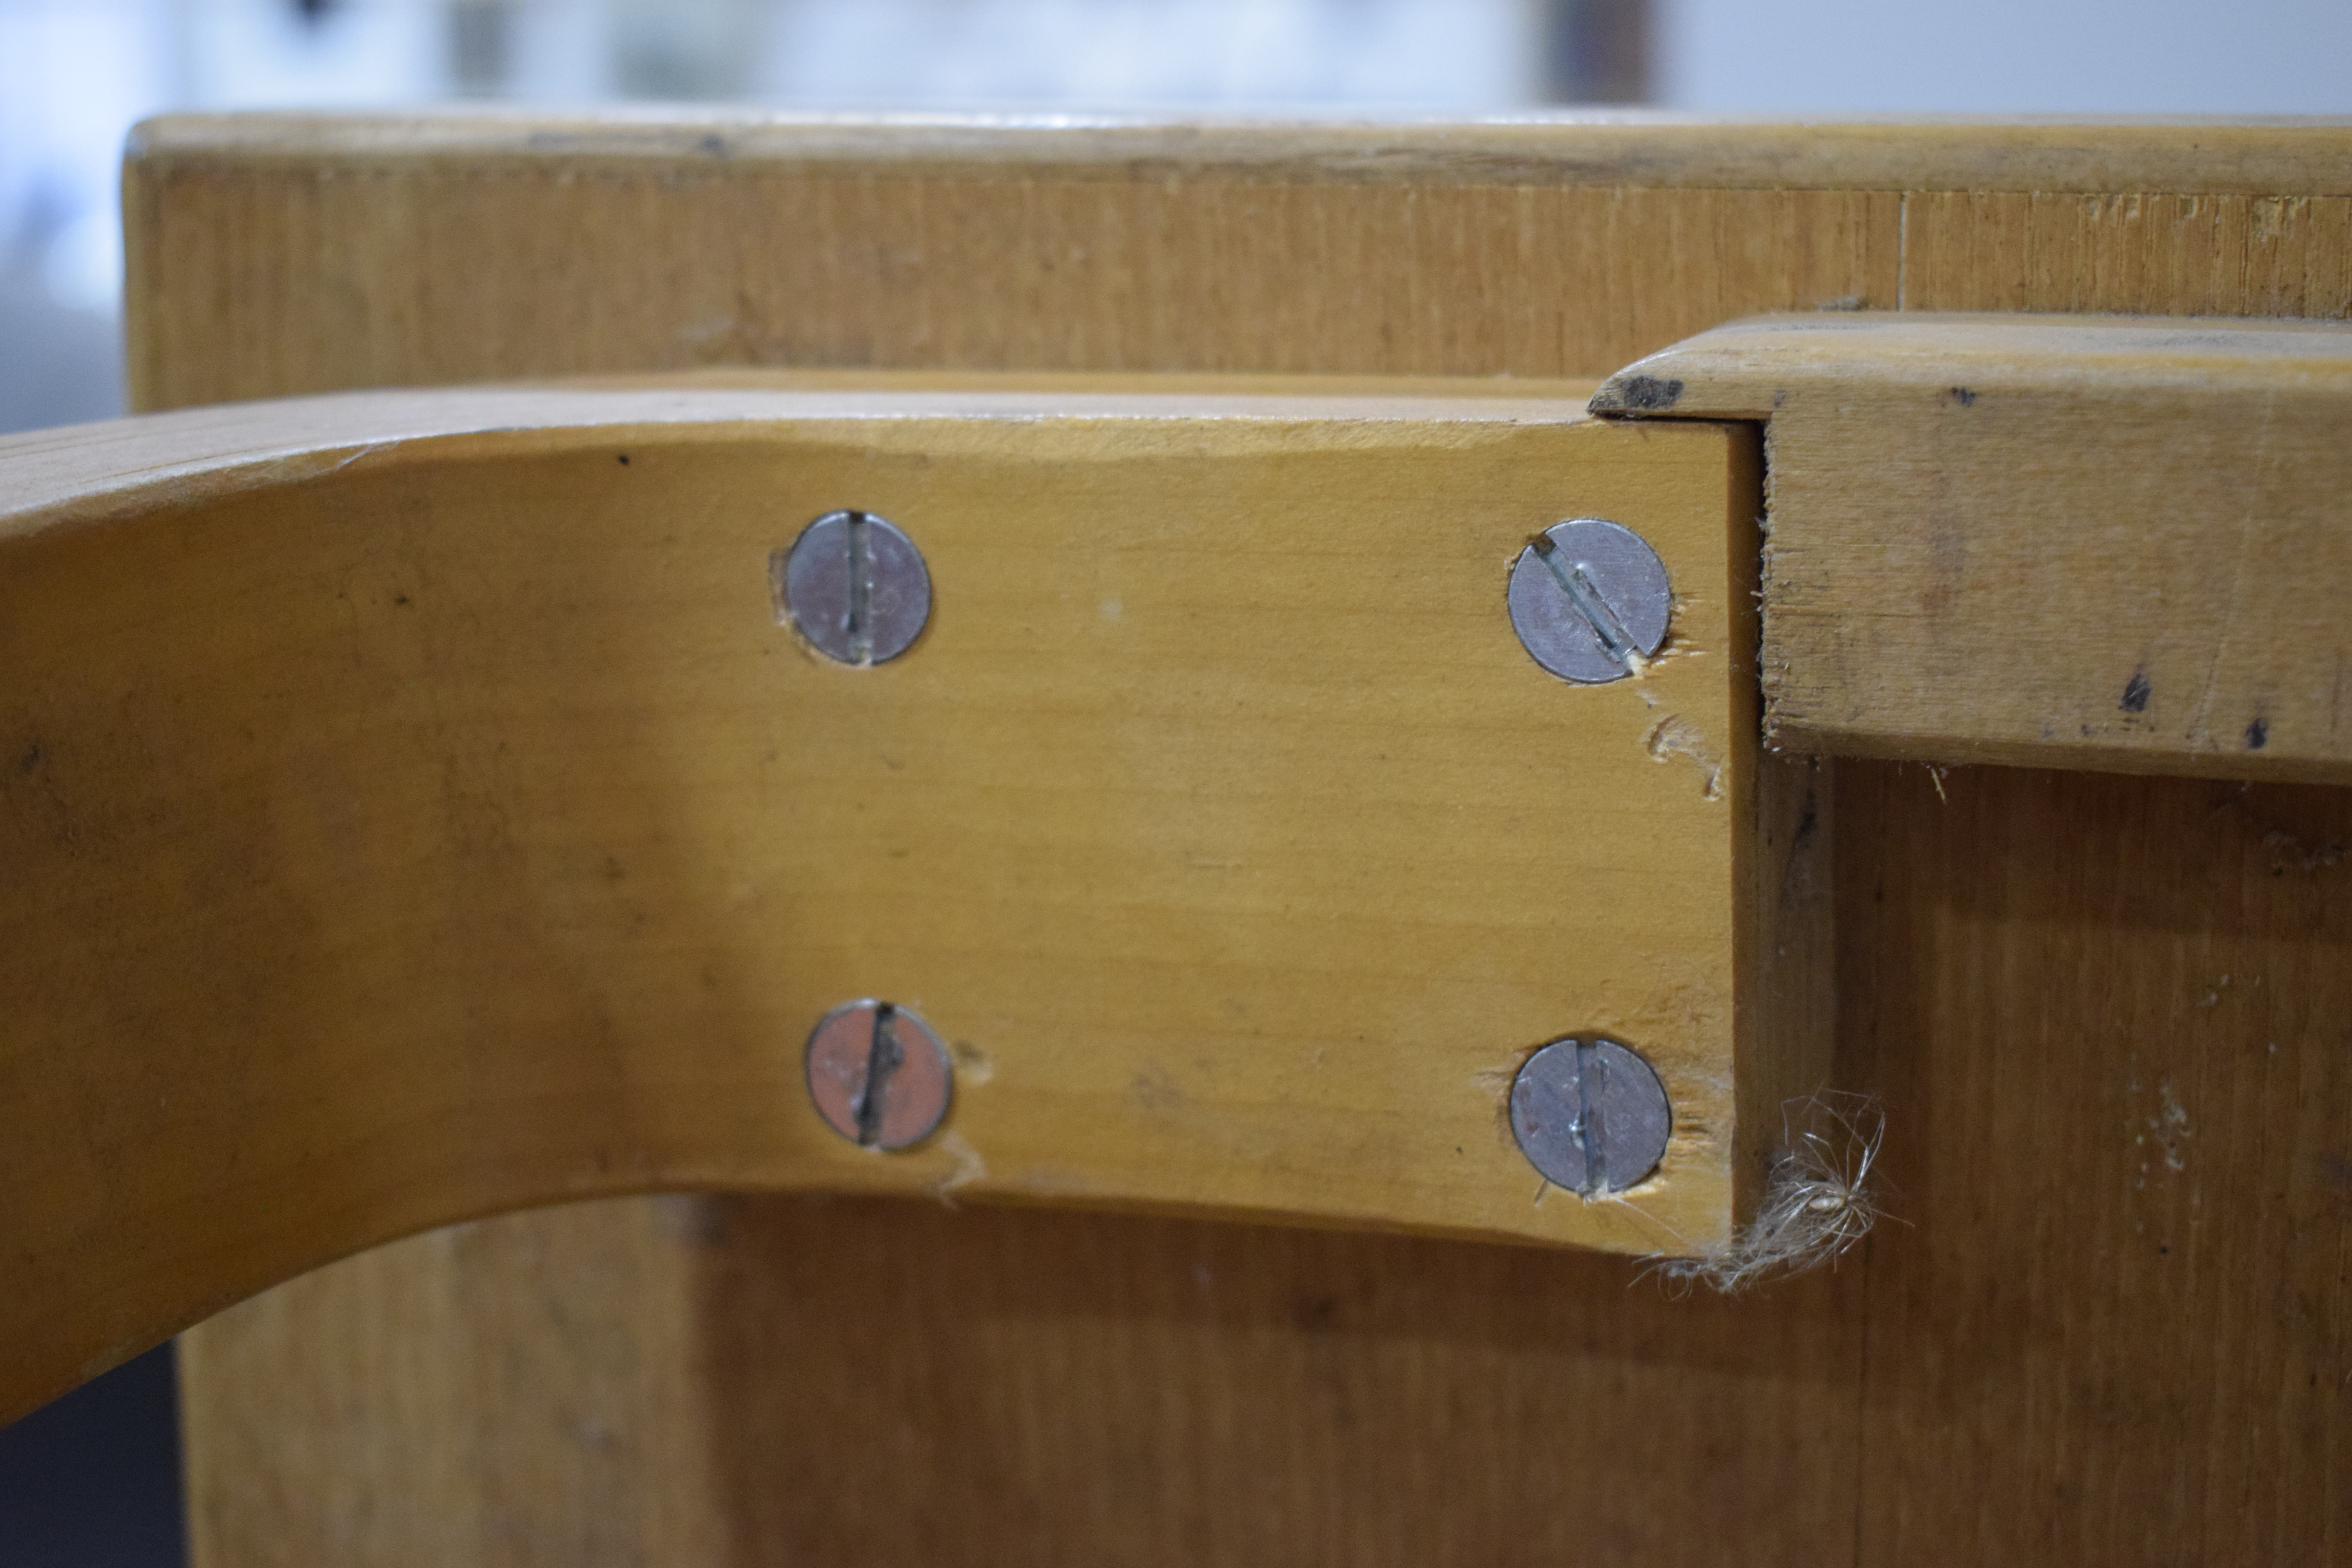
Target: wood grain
pixel 2133 248
pixel 460 831
pixel 424 251
pixel 2087 541
pixel 2108 1323
pixel 324 263
pixel 558 1366
pixel 2041 1362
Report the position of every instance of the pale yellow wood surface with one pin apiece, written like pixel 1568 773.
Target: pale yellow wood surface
pixel 83 473
pixel 458 830
pixel 2082 542
pixel 2101 1015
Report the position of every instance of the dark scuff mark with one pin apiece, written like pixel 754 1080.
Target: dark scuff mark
pixel 37 768
pixel 2135 692
pixel 2258 734
pixel 1797 872
pixel 1315 1314
pixel 1638 394
pixel 1808 819
pixel 1962 395
pixel 624 459
pixel 1154 1089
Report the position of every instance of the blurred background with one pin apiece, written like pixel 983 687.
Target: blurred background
pixel 93 1480
pixel 75 75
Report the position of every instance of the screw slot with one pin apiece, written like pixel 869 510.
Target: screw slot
pixel 1589 600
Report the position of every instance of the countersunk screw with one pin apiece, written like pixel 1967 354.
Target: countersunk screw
pixel 1592 1115
pixel 854 587
pixel 1589 600
pixel 880 1076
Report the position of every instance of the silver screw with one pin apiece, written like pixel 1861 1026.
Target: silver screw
pixel 854 587
pixel 878 1075
pixel 1589 600
pixel 1590 1115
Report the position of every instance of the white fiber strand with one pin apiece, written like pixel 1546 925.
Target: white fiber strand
pixel 1818 1201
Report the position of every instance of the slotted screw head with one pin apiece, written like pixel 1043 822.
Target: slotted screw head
pixel 878 1075
pixel 1589 600
pixel 1590 1115
pixel 854 587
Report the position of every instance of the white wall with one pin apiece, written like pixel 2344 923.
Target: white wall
pixel 2008 56
pixel 1464 54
